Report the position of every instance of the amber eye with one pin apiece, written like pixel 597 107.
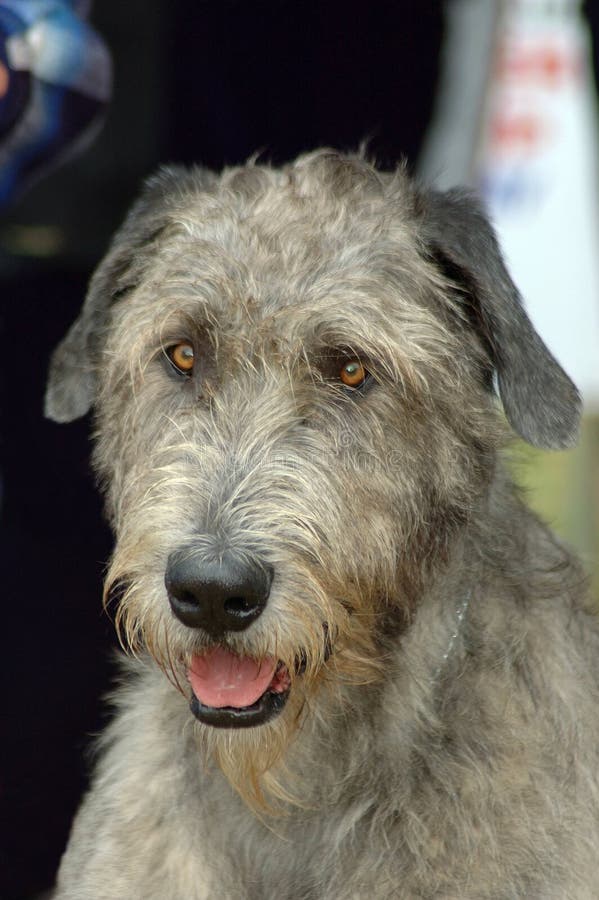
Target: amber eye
pixel 182 357
pixel 353 374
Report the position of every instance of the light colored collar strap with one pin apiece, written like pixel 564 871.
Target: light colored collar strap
pixel 460 615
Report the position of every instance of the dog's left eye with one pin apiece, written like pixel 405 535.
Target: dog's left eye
pixel 182 357
pixel 353 374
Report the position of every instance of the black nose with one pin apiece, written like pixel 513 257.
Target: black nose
pixel 226 594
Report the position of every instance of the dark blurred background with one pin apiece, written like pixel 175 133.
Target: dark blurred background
pixel 210 81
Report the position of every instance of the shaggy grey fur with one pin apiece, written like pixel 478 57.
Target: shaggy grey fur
pixel 441 733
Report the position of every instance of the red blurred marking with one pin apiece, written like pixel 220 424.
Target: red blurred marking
pixel 550 65
pixel 523 130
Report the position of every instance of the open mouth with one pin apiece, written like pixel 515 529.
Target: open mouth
pixel 231 691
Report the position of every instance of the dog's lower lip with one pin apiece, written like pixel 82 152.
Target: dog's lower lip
pixel 265 708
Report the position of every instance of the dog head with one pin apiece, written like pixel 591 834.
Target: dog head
pixel 292 372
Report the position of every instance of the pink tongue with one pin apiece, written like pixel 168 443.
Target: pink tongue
pixel 220 678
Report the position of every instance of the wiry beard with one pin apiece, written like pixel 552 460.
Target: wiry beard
pixel 322 661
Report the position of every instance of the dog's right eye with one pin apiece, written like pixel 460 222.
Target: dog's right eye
pixel 182 357
pixel 353 374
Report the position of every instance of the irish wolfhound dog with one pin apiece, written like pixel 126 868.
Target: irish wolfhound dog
pixel 361 667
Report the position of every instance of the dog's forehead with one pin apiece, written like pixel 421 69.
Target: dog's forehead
pixel 287 251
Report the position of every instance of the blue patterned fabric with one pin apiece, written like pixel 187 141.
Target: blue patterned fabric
pixel 55 83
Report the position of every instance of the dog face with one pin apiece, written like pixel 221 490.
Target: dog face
pixel 291 373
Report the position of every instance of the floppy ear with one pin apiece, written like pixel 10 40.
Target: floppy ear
pixel 71 377
pixel 540 402
pixel 71 380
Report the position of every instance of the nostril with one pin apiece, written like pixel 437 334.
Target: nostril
pixel 186 598
pixel 239 606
